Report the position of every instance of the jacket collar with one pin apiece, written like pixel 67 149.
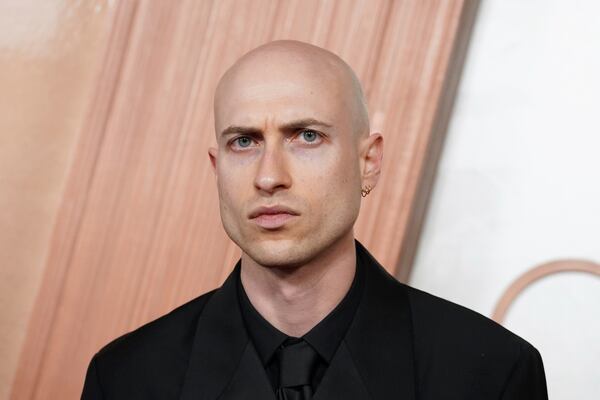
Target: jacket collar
pixel 220 344
pixel 374 361
pixel 380 338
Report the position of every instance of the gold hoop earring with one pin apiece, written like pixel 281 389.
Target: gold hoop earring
pixel 364 192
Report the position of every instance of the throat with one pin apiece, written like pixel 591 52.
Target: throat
pixel 296 300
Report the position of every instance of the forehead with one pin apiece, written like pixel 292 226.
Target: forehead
pixel 280 92
pixel 283 100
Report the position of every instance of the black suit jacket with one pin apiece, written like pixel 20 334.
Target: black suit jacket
pixel 402 344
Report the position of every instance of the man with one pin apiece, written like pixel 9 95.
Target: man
pixel 307 313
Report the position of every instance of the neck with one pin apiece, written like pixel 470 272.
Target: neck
pixel 295 299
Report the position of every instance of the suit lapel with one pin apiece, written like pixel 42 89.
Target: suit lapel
pixel 221 349
pixel 380 339
pixel 250 381
pixel 341 379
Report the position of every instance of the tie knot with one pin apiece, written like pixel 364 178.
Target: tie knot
pixel 297 360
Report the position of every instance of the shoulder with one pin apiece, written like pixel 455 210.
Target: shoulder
pixel 462 345
pixel 171 330
pixel 437 319
pixel 443 332
pixel 157 351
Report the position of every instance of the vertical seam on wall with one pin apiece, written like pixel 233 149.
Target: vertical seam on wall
pixel 379 46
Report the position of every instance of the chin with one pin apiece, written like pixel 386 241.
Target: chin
pixel 291 252
pixel 278 253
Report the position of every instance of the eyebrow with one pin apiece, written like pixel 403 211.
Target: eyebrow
pixel 287 127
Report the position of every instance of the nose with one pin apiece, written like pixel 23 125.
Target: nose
pixel 272 174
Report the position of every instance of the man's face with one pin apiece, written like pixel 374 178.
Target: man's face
pixel 287 164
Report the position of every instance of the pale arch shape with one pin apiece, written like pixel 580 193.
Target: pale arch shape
pixel 535 274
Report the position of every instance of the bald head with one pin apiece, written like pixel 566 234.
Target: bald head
pixel 292 65
pixel 292 133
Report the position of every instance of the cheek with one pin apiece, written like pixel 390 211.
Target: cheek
pixel 330 181
pixel 230 184
pixel 345 184
pixel 345 171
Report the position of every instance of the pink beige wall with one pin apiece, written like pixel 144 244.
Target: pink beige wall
pixel 111 208
pixel 49 52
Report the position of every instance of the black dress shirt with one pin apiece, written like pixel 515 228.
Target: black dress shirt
pixel 325 337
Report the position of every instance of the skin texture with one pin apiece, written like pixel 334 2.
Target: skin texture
pixel 292 131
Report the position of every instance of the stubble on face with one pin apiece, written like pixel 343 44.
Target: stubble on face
pixel 318 185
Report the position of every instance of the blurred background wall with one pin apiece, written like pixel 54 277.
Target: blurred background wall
pixel 518 183
pixel 114 109
pixel 49 52
pixel 108 212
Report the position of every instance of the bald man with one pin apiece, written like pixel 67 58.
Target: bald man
pixel 307 312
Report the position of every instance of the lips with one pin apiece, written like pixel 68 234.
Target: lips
pixel 273 210
pixel 272 217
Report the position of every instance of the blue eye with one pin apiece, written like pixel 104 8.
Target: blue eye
pixel 309 135
pixel 243 141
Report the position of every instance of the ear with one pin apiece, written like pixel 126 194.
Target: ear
pixel 371 159
pixel 213 152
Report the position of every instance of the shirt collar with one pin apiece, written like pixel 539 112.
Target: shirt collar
pixel 266 337
pixel 324 337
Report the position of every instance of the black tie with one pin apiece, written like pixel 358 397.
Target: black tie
pixel 297 361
